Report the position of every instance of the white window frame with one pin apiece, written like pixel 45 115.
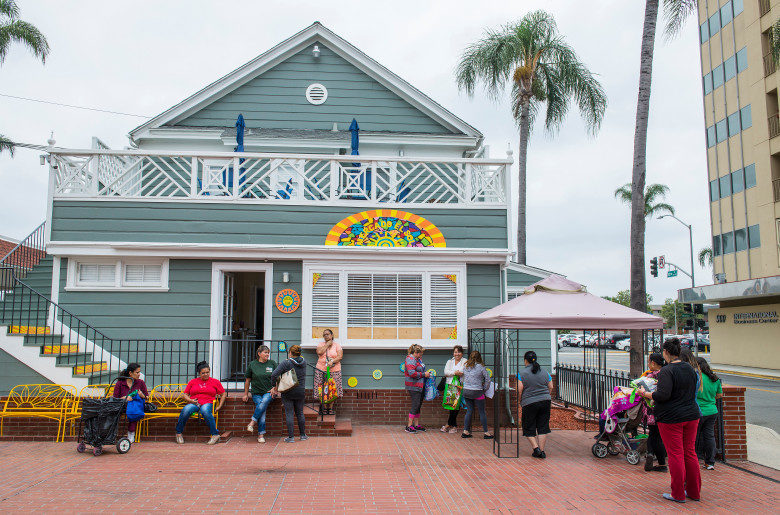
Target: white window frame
pixel 459 270
pixel 72 282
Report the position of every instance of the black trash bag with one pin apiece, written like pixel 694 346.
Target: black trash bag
pixel 99 420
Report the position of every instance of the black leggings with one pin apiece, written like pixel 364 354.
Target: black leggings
pixel 294 407
pixel 453 419
pixel 655 445
pixel 417 398
pixel 706 437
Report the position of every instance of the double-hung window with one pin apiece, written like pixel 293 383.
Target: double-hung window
pixel 375 307
pixel 117 274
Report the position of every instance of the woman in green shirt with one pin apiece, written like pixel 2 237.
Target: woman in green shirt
pixel 258 376
pixel 706 396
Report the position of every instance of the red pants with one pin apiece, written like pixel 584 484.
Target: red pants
pixel 680 442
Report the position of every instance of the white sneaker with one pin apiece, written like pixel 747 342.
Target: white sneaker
pixel 131 436
pixel 214 439
pixel 179 439
pixel 260 439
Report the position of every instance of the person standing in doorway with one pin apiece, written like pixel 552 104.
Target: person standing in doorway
pixel 258 377
pixel 453 368
pixel 414 382
pixel 534 386
pixel 329 353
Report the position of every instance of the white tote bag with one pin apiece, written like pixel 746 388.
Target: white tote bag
pixel 287 381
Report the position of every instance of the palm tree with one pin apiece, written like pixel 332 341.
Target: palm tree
pixel 652 192
pixel 774 41
pixel 544 72
pixel 676 12
pixel 705 256
pixel 12 29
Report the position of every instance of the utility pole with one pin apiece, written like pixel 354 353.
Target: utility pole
pixel 693 281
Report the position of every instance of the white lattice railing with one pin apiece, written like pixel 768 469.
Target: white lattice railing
pixel 278 177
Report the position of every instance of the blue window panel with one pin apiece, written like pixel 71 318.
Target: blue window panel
pixel 708 83
pixel 721 130
pixel 717 77
pixel 704 32
pixel 742 62
pixel 714 191
pixel 725 14
pixel 714 22
pixel 754 237
pixel 740 236
pixel 737 181
pixel 730 67
pixel 725 186
pixel 733 124
pixel 750 176
pixel 711 136
pixel 716 245
pixel 747 118
pixel 727 242
pixel 738 7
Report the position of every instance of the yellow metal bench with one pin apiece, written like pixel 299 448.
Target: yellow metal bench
pixel 92 391
pixel 51 401
pixel 169 399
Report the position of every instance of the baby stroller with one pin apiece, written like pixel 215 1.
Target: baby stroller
pixel 619 431
pixel 99 420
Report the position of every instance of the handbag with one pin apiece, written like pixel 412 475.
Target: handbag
pixel 149 407
pixel 430 391
pixel 287 381
pixel 328 391
pixel 452 394
pixel 442 384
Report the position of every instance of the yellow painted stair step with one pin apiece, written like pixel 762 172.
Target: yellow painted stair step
pixel 24 329
pixel 86 369
pixel 60 349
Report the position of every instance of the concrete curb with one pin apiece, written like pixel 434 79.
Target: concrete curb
pixel 744 374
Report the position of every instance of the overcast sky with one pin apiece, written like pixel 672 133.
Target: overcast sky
pixel 144 57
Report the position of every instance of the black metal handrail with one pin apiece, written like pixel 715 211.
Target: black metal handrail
pixel 23 257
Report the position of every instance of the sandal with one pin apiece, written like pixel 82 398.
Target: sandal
pixel 453 430
pixel 444 429
pixel 250 428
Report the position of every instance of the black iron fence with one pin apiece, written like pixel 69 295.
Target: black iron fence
pixel 22 258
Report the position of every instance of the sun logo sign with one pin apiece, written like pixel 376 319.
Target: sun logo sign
pixel 385 228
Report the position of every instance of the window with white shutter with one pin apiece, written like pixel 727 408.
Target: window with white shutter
pixel 387 308
pixel 143 275
pixel 117 275
pixel 325 304
pixel 97 274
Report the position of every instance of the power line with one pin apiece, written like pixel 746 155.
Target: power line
pixel 73 106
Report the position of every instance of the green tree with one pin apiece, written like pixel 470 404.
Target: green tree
pixel 774 41
pixel 544 73
pixel 668 310
pixel 676 12
pixel 705 256
pixel 623 297
pixel 14 30
pixel 653 192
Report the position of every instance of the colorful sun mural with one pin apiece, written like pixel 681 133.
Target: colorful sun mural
pixel 385 228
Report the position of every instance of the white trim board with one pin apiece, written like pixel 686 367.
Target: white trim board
pixel 315 32
pixel 530 270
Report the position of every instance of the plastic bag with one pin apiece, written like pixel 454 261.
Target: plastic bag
pixel 327 391
pixel 135 409
pixel 452 394
pixel 491 390
pixel 430 388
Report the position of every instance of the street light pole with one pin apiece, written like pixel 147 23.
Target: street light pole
pixel 693 281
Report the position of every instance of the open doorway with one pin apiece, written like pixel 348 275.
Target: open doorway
pixel 240 316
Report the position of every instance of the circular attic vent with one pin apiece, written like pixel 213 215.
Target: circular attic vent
pixel 316 94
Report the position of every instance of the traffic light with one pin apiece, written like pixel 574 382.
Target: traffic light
pixel 687 309
pixel 689 324
pixel 698 309
pixel 700 323
pixel 654 267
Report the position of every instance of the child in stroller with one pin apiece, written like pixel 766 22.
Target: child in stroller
pixel 619 423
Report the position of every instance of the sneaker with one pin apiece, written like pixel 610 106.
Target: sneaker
pixel 466 435
pixel 410 429
pixel 250 428
pixel 669 497
pixel 660 468
pixel 487 437
pixel 419 428
pixel 454 430
pixel 260 438
pixel 537 453
pixel 542 454
pixel 691 498
pixel 708 467
pixel 304 437
pixel 179 439
pixel 444 429
pixel 131 436
pixel 289 440
pixel 214 439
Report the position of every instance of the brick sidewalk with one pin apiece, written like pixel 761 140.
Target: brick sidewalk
pixel 379 469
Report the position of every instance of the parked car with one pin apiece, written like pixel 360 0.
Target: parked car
pixel 571 340
pixel 623 344
pixel 703 344
pixel 612 341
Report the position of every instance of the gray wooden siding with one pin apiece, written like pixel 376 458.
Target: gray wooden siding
pixel 286 327
pixel 15 372
pixel 515 278
pixel 181 313
pixel 227 223
pixel 277 99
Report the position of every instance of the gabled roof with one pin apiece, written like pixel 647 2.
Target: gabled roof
pixel 313 33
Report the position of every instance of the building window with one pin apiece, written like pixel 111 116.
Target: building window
pixel 721 130
pixel 711 141
pixel 112 274
pixel 726 14
pixel 725 186
pixel 714 23
pixel 704 31
pixel 750 176
pixel 747 120
pixel 733 123
pixel 714 191
pixel 381 309
pixel 727 242
pixel 730 68
pixel 707 83
pixel 716 245
pixel 742 62
pixel 717 76
pixel 737 181
pixel 740 237
pixel 754 237
pixel 738 7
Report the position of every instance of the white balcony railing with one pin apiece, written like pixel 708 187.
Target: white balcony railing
pixel 278 177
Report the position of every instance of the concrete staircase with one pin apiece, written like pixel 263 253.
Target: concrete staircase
pixel 329 423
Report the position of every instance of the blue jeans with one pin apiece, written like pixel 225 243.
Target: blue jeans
pixel 480 405
pixel 261 405
pixel 189 410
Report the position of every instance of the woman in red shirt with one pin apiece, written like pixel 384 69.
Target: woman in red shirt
pixel 201 393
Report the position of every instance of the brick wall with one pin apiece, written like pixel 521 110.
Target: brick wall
pixel 734 423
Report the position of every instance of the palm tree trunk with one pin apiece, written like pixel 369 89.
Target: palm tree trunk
pixel 522 156
pixel 638 287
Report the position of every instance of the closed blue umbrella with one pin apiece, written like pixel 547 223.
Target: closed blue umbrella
pixel 355 129
pixel 240 126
